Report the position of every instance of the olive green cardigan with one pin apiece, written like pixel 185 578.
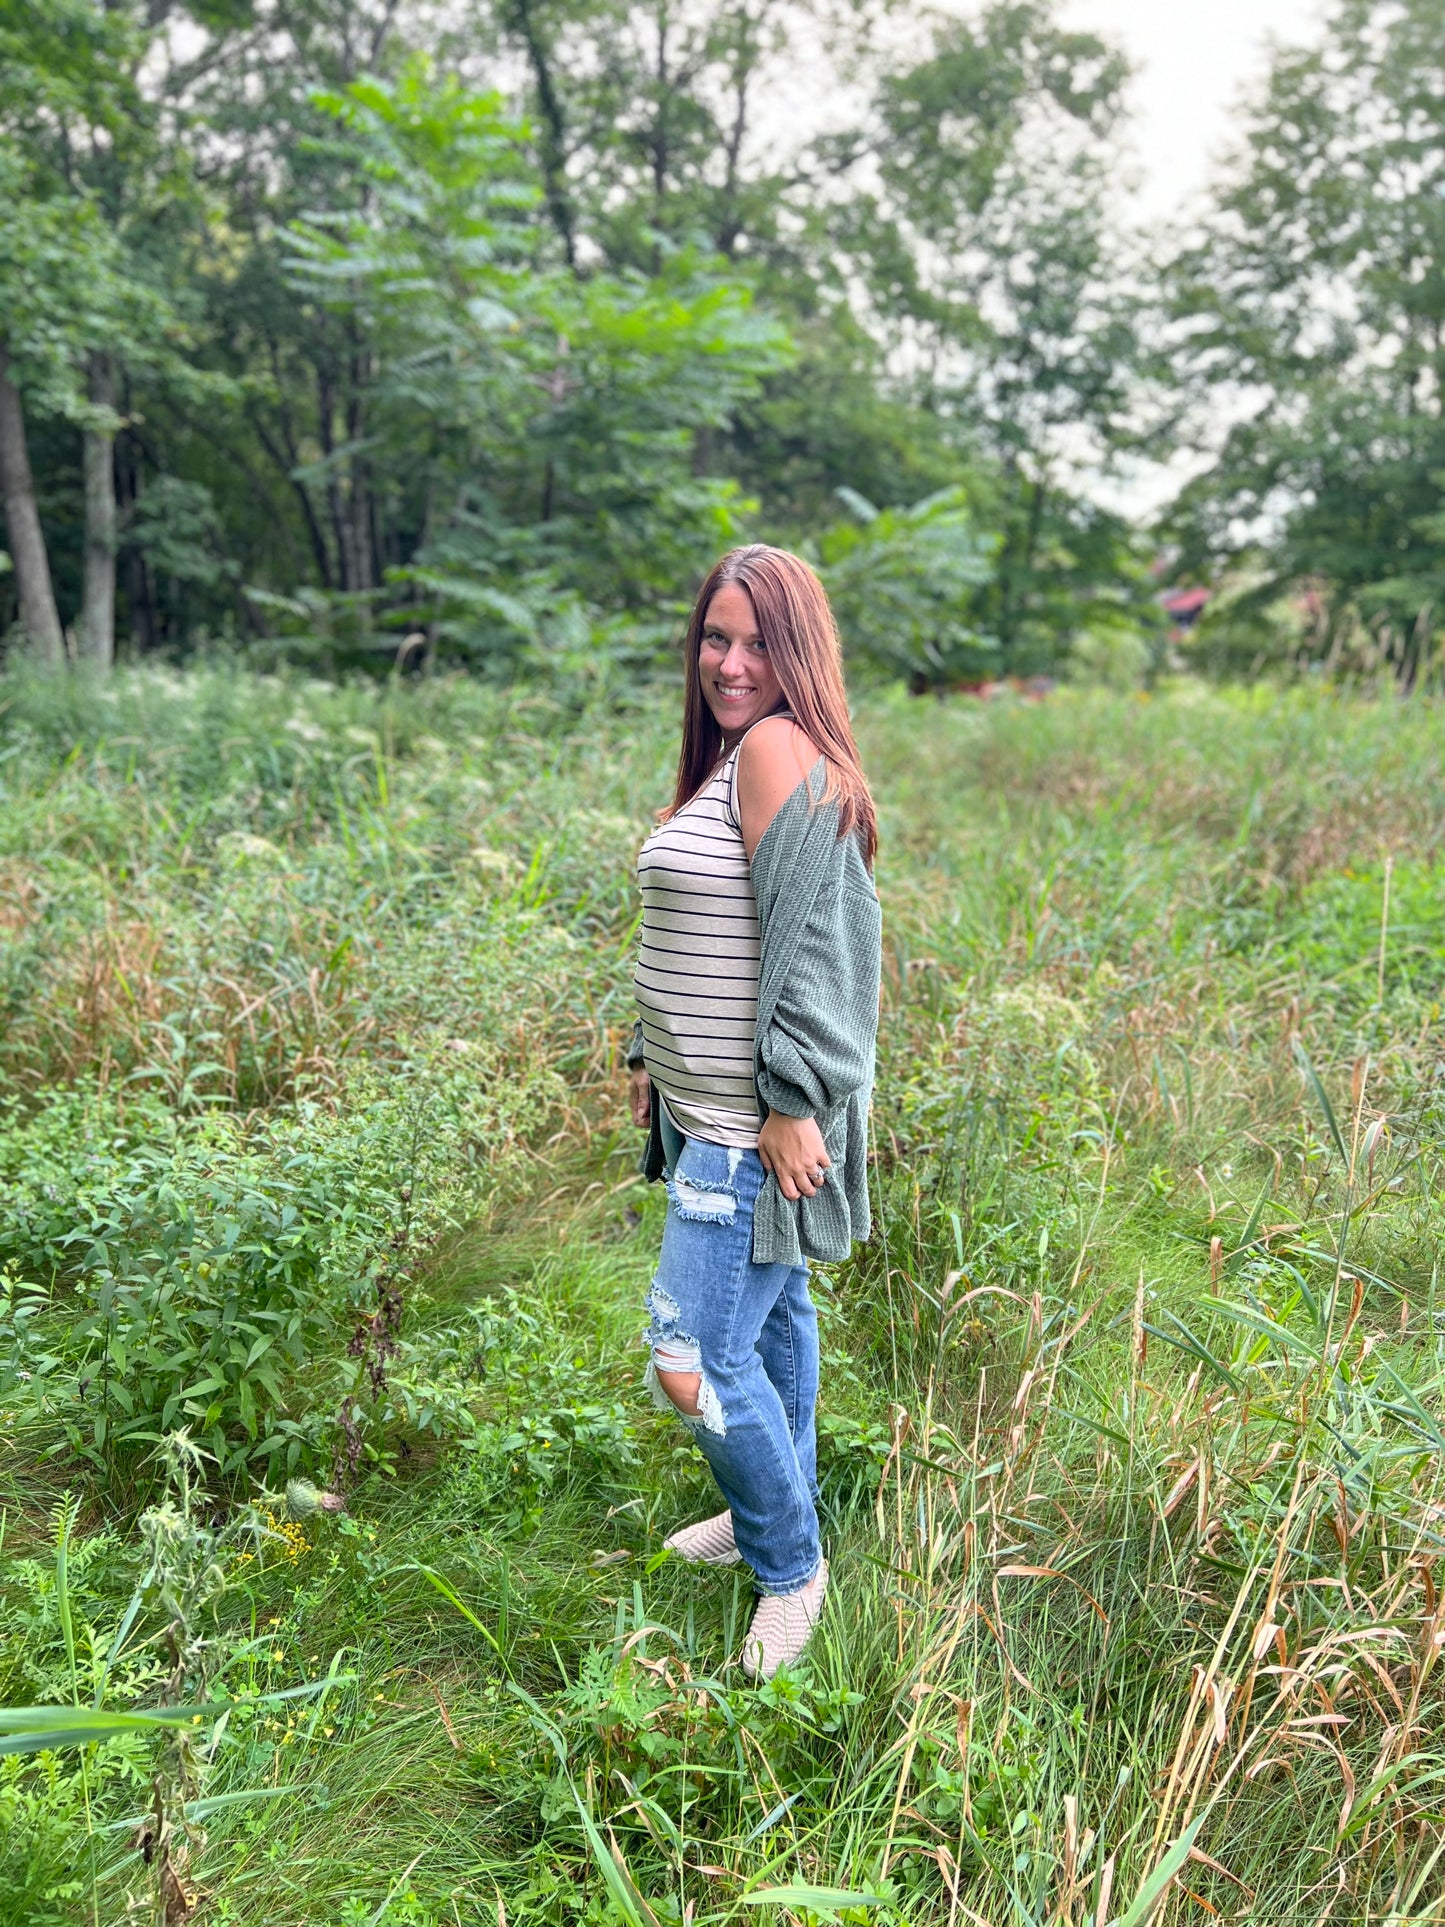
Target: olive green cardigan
pixel 820 928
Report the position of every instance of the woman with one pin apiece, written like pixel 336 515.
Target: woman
pixel 752 1063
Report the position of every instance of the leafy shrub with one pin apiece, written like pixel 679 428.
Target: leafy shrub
pixel 162 1272
pixel 1115 655
pixel 904 584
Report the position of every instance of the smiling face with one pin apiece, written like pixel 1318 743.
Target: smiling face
pixel 739 683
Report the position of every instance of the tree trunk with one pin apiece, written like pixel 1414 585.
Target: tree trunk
pixel 365 562
pixel 140 593
pixel 39 616
pixel 335 501
pixel 97 608
pixel 553 145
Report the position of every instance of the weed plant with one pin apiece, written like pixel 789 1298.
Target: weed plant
pixel 318 1188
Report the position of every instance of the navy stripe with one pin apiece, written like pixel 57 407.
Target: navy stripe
pixel 730 947
pixel 705 917
pixel 736 986
pixel 705 1028
pixel 704 997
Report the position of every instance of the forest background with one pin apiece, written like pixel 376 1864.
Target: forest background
pixel 337 331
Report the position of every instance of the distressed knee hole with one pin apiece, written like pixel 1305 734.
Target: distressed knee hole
pixel 703 1203
pixel 681 1387
pixel 673 1352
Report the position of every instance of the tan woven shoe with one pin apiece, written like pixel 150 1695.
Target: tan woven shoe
pixel 782 1626
pixel 709 1543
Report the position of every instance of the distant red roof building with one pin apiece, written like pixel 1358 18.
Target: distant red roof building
pixel 1183 606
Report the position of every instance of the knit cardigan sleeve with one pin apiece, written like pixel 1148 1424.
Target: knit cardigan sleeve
pixel 817 1027
pixel 817 1048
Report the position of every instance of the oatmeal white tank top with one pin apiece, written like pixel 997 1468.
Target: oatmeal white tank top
pixel 697 970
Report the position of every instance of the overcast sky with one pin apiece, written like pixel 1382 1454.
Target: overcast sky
pixel 1194 58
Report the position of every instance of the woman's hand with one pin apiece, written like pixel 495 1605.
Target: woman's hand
pixel 792 1149
pixel 639 1096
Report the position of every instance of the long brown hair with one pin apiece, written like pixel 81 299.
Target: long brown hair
pixel 796 623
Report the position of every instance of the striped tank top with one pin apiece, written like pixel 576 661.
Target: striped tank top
pixel 697 970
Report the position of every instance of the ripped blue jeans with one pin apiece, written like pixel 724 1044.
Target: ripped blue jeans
pixel 752 1333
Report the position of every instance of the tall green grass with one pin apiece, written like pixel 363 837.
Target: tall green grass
pixel 1131 1447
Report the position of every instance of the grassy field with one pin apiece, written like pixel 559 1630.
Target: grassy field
pixel 316 1180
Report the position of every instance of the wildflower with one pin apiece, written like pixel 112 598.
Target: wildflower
pixel 303 1499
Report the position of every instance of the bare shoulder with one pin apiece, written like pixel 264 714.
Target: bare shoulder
pixel 777 745
pixel 775 757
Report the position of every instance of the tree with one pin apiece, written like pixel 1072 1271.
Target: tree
pixel 50 67
pixel 561 412
pixel 989 262
pixel 646 118
pixel 285 468
pixel 1313 308
pixel 77 301
pixel 39 617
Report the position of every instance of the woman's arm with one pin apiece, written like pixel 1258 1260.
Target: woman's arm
pixel 639 1084
pixel 774 759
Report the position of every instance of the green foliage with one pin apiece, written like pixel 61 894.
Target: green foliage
pixel 65 289
pixel 988 242
pixel 170 1644
pixel 587 395
pixel 401 367
pixel 1318 290
pixel 173 1254
pixel 74 275
pixel 904 586
pixel 159 1276
pixel 1359 933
